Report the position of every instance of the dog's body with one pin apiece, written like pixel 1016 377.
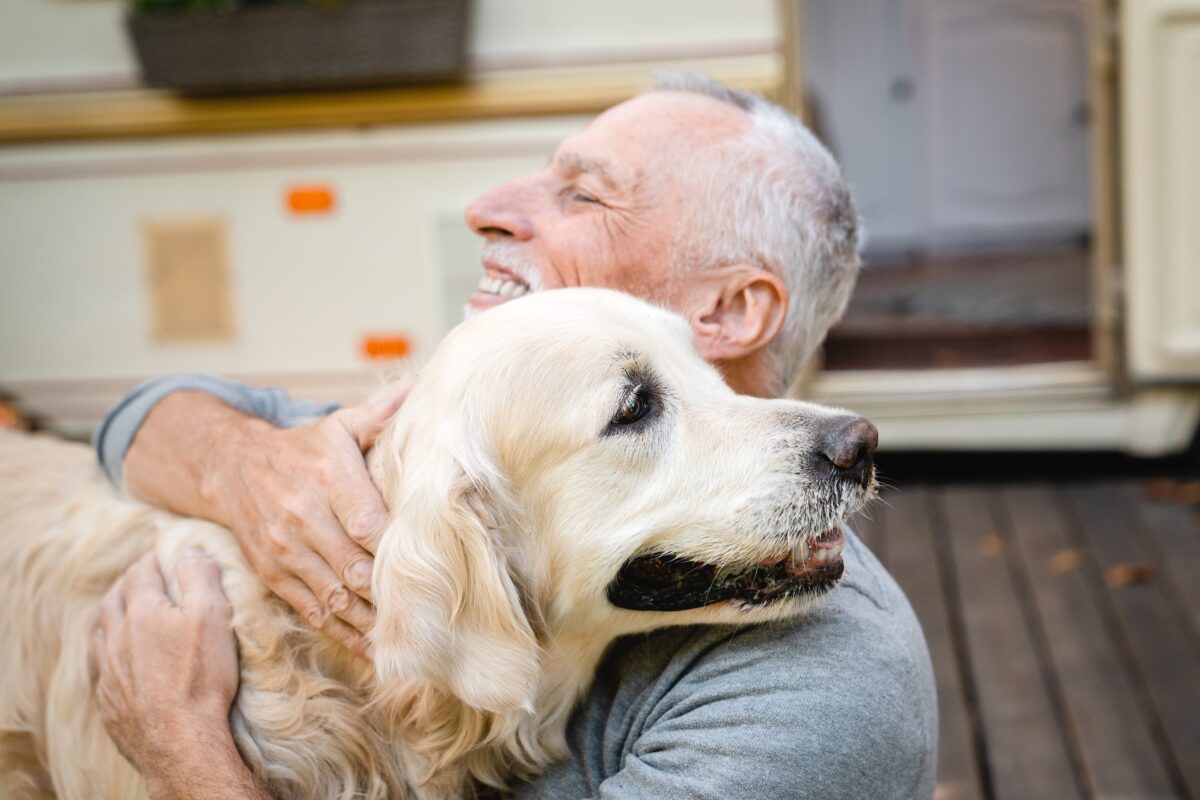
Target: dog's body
pixel 571 468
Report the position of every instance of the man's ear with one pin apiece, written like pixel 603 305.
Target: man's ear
pixel 736 311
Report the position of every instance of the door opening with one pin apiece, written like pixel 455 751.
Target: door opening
pixel 964 129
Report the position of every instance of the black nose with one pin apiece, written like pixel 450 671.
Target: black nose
pixel 848 444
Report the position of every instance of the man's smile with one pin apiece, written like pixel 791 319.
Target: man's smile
pixel 496 287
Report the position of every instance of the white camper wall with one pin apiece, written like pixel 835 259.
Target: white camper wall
pixel 394 255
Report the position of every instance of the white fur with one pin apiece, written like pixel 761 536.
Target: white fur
pixel 511 513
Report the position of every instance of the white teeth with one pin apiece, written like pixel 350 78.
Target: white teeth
pixel 816 556
pixel 492 285
pixel 800 553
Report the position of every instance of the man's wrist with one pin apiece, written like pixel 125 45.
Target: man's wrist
pixel 172 457
pixel 209 766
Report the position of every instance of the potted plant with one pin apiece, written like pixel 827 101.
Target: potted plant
pixel 221 46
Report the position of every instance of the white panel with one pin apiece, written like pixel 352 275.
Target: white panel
pixel 1161 127
pixel 959 123
pixel 1007 147
pixel 47 41
pixel 74 303
pixel 859 69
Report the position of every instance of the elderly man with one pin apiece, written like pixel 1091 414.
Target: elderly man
pixel 713 202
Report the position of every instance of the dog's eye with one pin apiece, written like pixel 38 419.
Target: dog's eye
pixel 633 408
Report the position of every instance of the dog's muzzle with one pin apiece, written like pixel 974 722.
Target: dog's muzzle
pixel 665 582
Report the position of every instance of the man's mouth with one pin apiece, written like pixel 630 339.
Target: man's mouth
pixel 503 286
pixel 665 582
pixel 498 285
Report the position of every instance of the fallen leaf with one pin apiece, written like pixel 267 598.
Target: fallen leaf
pixel 1129 573
pixel 991 546
pixel 1064 561
pixel 1170 490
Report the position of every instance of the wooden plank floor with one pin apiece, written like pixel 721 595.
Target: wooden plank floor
pixel 1064 625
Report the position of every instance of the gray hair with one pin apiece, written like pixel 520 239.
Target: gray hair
pixel 774 196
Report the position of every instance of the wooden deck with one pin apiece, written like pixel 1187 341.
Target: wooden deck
pixel 1064 625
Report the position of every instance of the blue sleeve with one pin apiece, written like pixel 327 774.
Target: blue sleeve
pixel 121 424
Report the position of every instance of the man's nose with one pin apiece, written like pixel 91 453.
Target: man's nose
pixel 848 445
pixel 501 212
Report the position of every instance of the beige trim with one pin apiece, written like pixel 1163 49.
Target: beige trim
pixel 44 165
pixel 1160 125
pixel 1107 304
pixel 1038 407
pixel 903 389
pixel 82 402
pixel 145 113
pixel 791 92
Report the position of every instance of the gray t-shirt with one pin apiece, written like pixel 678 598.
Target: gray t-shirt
pixel 837 704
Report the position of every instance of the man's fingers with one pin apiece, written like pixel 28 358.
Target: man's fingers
pixel 297 595
pixel 334 596
pixel 347 637
pixel 200 583
pixel 143 581
pixel 301 598
pixel 366 422
pixel 361 512
pixel 350 562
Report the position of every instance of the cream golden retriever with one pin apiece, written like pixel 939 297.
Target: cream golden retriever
pixel 566 470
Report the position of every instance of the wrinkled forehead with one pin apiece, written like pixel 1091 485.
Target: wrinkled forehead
pixel 643 142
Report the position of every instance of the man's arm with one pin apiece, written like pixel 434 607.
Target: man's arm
pixel 117 430
pixel 298 499
pixel 165 676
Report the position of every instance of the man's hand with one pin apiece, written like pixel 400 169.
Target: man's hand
pixel 165 677
pixel 299 500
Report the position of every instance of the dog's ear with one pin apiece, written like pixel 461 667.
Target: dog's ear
pixel 449 612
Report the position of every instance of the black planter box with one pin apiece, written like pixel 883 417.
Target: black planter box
pixel 274 48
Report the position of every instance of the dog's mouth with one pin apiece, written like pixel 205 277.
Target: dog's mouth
pixel 666 582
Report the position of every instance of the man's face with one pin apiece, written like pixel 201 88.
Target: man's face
pixel 608 209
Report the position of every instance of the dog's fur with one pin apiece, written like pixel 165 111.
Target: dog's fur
pixel 514 502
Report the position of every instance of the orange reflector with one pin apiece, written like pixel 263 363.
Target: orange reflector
pixel 310 199
pixel 385 347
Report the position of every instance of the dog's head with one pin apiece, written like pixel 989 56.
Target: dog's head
pixel 568 469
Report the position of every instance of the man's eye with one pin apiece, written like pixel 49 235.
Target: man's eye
pixel 583 197
pixel 633 408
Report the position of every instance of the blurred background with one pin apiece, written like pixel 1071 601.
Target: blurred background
pixel 179 191
pixel 274 191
